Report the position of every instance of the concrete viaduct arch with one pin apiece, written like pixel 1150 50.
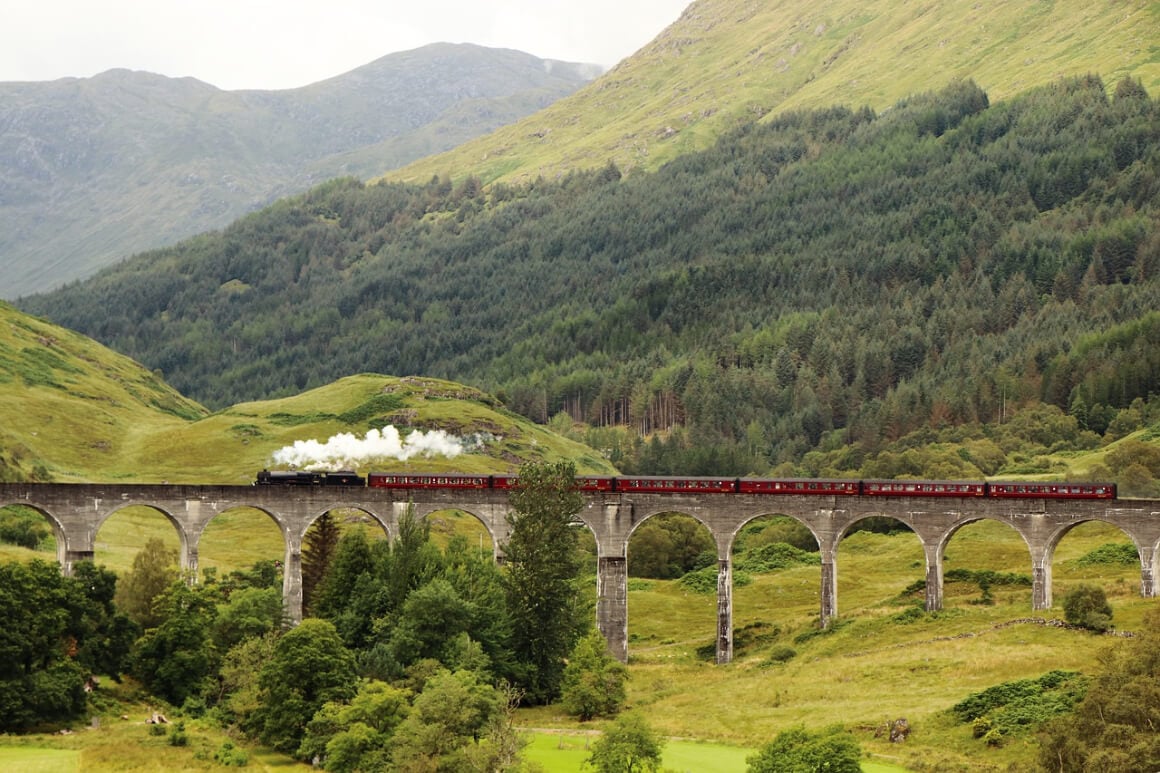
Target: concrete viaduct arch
pixel 76 512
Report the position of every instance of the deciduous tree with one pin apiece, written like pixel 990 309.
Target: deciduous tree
pixel 593 683
pixel 629 746
pixel 542 565
pixel 310 666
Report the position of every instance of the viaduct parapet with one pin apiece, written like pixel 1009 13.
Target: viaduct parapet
pixel 77 511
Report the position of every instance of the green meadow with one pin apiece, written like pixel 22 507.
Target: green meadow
pixel 882 660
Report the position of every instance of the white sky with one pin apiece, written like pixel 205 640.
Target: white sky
pixel 265 44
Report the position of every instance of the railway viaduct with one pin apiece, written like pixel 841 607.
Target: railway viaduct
pixel 77 511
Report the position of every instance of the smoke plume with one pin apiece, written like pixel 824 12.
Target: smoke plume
pixel 345 451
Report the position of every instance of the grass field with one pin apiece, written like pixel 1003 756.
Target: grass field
pixel 881 660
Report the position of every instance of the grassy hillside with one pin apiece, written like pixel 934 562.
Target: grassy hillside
pixel 72 410
pixel 726 61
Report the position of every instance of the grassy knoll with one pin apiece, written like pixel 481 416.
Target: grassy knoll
pixel 74 411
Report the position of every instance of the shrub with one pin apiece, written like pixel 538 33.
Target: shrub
pixel 1087 606
pixel 1015 707
pixel 705 580
pixel 832 750
pixel 178 736
pixel 782 654
pixel 231 756
pixel 1111 554
pixel 593 683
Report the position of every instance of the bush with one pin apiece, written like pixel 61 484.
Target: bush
pixel 178 736
pixel 832 750
pixel 705 580
pixel 1087 606
pixel 231 756
pixel 782 654
pixel 1013 708
pixel 593 683
pixel 772 557
pixel 1111 554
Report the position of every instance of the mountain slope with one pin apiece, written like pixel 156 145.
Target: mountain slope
pixel 726 62
pixel 92 170
pixel 832 276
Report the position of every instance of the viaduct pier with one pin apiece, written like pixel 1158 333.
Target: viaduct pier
pixel 77 511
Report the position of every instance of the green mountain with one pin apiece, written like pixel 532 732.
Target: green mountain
pixel 73 411
pixel 94 169
pixel 729 62
pixel 828 278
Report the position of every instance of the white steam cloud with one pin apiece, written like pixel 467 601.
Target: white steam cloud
pixel 345 451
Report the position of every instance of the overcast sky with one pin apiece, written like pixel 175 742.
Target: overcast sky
pixel 265 44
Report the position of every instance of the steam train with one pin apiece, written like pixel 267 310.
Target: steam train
pixel 653 484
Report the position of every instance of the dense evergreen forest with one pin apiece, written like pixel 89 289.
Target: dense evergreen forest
pixel 815 280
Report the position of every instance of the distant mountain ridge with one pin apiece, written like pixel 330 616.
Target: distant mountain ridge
pixel 95 169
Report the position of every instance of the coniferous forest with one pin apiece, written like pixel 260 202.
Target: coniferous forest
pixel 814 287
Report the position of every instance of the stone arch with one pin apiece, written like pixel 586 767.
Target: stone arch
pixel 1040 573
pixel 1145 551
pixel 680 530
pixel 187 542
pixel 59 535
pixel 730 538
pixel 659 513
pixel 449 522
pixel 378 520
pixel 639 520
pixel 756 613
pixel 493 518
pixel 209 527
pixel 847 531
pixel 958 525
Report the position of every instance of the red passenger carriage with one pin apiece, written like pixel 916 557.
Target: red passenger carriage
pixel 796 486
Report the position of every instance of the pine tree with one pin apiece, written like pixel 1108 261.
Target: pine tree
pixel 318 549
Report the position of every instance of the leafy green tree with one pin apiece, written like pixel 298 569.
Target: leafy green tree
pixel 431 620
pixel 629 746
pixel 667 546
pixel 41 679
pixel 177 659
pixel 107 635
pixel 357 735
pixel 447 718
pixel 154 572
pixel 479 581
pixel 238 689
pixel 800 751
pixel 247 613
pixel 542 565
pixel 1087 606
pixel 309 666
pixel 501 745
pixel 593 684
pixel 351 595
pixel 414 560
